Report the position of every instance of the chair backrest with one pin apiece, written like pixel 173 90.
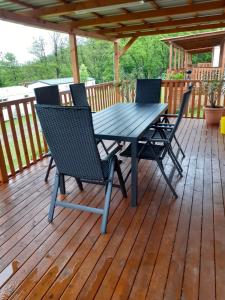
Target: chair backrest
pixel 47 95
pixel 148 90
pixel 70 136
pixel 183 109
pixel 79 95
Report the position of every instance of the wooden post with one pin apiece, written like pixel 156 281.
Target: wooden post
pixel 175 59
pixel 171 56
pixel 179 56
pixel 74 58
pixel 117 69
pixel 190 59
pixel 185 59
pixel 182 58
pixel 116 61
pixel 3 172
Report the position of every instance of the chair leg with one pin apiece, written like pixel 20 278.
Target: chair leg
pixel 176 163
pixel 79 183
pixel 121 180
pixel 62 184
pixel 166 178
pixel 179 147
pixel 108 198
pixel 53 200
pixel 106 208
pixel 104 147
pixel 49 168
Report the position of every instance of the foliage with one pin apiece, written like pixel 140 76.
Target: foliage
pixel 146 58
pixel 176 76
pixel 213 88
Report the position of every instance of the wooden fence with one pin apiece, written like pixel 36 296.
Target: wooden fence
pixel 22 143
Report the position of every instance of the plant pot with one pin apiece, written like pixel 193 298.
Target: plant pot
pixel 213 115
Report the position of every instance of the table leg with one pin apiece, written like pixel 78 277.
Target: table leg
pixel 134 174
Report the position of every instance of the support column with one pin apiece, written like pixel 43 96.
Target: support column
pixel 185 59
pixel 117 68
pixel 179 58
pixel 175 59
pixel 171 56
pixel 74 58
pixel 116 61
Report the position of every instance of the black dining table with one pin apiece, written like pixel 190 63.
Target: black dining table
pixel 127 122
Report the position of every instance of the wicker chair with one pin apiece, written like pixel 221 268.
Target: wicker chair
pixel 159 144
pixel 48 95
pixel 148 91
pixel 70 136
pixel 79 97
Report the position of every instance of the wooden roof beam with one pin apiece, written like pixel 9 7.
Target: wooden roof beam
pixel 193 20
pixel 64 27
pixel 180 29
pixel 22 3
pixel 127 46
pixel 163 12
pixel 72 7
pixel 200 50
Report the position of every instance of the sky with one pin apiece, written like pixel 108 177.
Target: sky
pixel 18 39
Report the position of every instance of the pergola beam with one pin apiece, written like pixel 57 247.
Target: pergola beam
pixel 64 27
pixel 195 20
pixel 200 50
pixel 127 46
pixel 73 7
pixel 163 12
pixel 174 30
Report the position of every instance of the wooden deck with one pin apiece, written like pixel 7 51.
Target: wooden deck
pixel 163 249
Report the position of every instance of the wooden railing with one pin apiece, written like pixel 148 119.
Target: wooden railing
pixel 198 73
pixel 206 73
pixel 22 143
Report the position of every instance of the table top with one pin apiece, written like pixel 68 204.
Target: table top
pixel 126 121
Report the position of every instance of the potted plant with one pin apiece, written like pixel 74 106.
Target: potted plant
pixel 214 89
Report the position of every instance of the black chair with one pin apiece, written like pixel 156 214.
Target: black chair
pixel 79 97
pixel 79 94
pixel 156 148
pixel 48 95
pixel 165 124
pixel 70 136
pixel 148 91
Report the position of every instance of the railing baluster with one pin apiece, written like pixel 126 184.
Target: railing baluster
pixel 15 139
pixel 23 138
pixel 30 135
pixel 3 171
pixel 36 129
pixel 6 143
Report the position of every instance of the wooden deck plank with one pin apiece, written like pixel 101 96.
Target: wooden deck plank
pixel 163 249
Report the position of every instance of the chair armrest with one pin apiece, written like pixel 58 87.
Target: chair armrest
pixel 162 126
pixel 169 115
pixel 165 141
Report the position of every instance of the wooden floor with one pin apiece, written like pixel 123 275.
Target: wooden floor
pixel 163 249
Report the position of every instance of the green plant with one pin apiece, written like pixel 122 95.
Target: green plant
pixel 214 89
pixel 176 76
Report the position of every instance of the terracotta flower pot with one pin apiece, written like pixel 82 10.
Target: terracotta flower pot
pixel 213 115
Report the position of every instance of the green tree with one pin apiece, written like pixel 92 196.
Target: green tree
pixel 83 73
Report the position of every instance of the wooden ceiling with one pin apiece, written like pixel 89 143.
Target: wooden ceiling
pixel 114 19
pixel 198 43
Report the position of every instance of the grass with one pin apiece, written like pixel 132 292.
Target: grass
pixel 20 144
